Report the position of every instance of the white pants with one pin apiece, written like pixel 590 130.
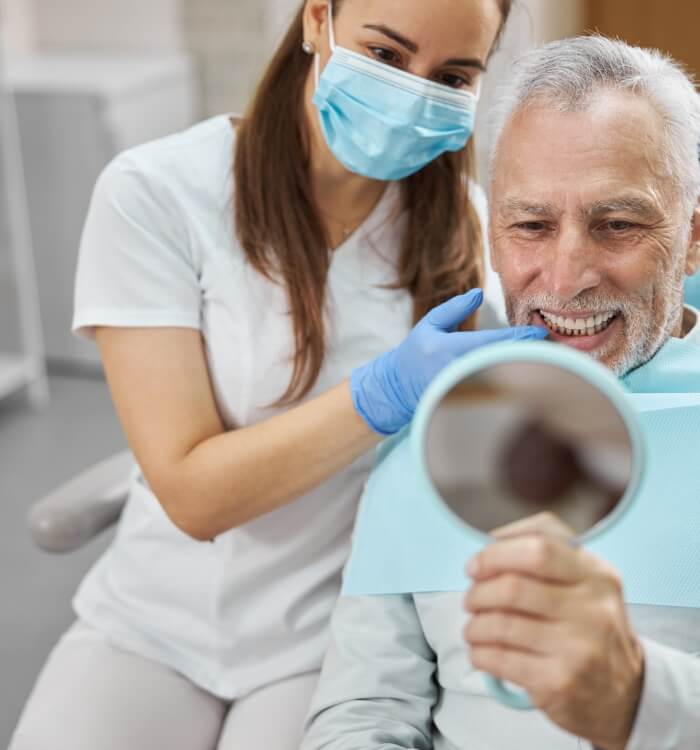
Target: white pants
pixel 94 696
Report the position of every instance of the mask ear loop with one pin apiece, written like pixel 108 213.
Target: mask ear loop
pixel 331 32
pixel 331 42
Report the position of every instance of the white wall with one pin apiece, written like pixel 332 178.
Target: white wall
pixel 229 42
pixel 556 19
pixel 109 25
pixel 17 20
pixel 232 40
pixel 278 15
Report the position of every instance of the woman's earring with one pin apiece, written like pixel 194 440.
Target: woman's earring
pixel 309 48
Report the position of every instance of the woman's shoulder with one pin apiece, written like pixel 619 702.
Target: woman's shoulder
pixel 196 162
pixel 175 190
pixel 203 139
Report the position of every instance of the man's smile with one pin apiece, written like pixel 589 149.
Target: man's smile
pixel 579 330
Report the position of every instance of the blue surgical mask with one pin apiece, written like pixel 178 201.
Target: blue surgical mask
pixel 384 123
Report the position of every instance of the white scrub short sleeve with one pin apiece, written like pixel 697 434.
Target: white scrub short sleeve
pixel 135 267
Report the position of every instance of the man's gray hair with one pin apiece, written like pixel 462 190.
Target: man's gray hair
pixel 566 75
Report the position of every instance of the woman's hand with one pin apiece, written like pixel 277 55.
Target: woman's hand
pixel 386 391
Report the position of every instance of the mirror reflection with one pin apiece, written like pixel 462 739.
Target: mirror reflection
pixel 521 438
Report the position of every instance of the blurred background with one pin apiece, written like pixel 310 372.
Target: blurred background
pixel 81 80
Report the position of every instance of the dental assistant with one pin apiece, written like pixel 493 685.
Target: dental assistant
pixel 255 325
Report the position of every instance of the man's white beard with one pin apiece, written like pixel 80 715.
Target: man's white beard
pixel 642 336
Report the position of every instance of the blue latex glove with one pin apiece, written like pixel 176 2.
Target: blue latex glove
pixel 386 391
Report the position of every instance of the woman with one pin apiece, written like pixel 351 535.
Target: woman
pixel 255 355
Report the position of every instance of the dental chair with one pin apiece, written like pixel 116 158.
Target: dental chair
pixel 79 510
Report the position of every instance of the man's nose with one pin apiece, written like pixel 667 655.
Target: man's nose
pixel 574 265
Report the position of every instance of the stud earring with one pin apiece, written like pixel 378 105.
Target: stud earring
pixel 309 48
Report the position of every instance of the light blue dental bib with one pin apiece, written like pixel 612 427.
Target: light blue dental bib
pixel 692 290
pixel 405 543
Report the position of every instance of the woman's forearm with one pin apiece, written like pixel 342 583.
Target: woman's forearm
pixel 237 476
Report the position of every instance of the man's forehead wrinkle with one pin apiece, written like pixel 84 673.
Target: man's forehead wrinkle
pixel 627 203
pixel 518 205
pixel 637 204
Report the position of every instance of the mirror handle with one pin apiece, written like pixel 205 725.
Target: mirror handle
pixel 513 698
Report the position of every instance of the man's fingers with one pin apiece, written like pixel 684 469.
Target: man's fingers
pixel 518 594
pixel 512 630
pixel 519 667
pixel 537 555
pixel 541 523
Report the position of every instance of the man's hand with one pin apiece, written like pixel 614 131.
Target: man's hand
pixel 551 618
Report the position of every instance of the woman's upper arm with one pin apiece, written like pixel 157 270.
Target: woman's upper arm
pixel 162 392
pixel 136 265
pixel 138 294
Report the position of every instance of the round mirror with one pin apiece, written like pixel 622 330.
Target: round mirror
pixel 516 430
pixel 513 439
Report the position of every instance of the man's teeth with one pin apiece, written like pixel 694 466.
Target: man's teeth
pixel 578 326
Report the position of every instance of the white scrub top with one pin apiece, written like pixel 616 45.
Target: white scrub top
pixel 159 249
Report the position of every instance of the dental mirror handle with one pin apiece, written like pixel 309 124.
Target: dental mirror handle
pixel 514 697
pixel 511 697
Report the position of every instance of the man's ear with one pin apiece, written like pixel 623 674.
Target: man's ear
pixel 315 20
pixel 692 258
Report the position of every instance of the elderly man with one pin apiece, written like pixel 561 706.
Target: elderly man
pixel 594 224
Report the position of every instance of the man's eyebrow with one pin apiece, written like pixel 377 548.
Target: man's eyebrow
pixel 631 204
pixel 462 62
pixel 515 205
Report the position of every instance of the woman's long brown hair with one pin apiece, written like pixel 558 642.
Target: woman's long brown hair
pixel 283 237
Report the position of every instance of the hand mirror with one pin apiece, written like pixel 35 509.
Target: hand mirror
pixel 515 430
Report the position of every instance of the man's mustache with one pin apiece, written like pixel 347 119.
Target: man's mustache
pixel 588 303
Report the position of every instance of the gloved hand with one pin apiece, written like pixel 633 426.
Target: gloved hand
pixel 386 390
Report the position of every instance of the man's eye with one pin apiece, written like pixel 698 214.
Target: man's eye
pixel 455 81
pixel 619 226
pixel 385 55
pixel 531 226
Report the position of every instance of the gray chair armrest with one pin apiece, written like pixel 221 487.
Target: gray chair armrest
pixel 69 517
